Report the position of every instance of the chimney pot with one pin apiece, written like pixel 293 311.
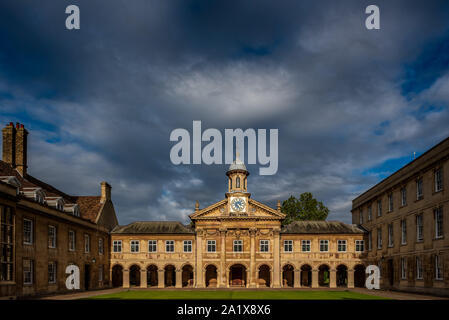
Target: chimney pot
pixel 17 125
pixel 22 126
pixel 11 124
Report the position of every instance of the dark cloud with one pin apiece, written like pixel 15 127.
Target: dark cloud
pixel 101 102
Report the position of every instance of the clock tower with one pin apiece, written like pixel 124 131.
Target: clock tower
pixel 237 187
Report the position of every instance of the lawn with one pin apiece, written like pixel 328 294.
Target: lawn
pixel 238 294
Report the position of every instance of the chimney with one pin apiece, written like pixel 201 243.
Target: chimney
pixel 279 206
pixel 21 149
pixel 9 144
pixel 105 192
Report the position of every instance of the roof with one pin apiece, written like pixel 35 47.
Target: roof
pixel 89 206
pixel 142 227
pixel 237 164
pixel 321 227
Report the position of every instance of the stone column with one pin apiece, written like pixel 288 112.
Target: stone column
pixel 160 278
pixel 351 278
pixel 315 278
pixel 271 277
pixel 252 265
pixel 332 278
pixel 199 259
pixel 248 277
pixel 276 260
pixel 222 272
pixel 178 278
pixel 143 278
pixel 126 278
pixel 297 279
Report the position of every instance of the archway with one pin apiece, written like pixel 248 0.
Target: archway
pixel 170 276
pixel 117 276
pixel 152 276
pixel 264 276
pixel 134 275
pixel 306 276
pixel 187 276
pixel 237 275
pixel 211 276
pixel 359 276
pixel 323 276
pixel 342 276
pixel 288 276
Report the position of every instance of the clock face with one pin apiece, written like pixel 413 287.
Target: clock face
pixel 238 204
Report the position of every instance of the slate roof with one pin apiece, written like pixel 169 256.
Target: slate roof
pixel 143 227
pixel 321 227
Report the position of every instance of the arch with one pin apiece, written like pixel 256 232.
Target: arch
pixel 342 276
pixel 211 275
pixel 288 275
pixel 187 275
pixel 264 275
pixel 359 276
pixel 237 275
pixel 169 275
pixel 117 275
pixel 152 275
pixel 134 275
pixel 242 263
pixel 306 275
pixel 323 275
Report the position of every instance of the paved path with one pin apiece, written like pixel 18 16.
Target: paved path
pixel 382 293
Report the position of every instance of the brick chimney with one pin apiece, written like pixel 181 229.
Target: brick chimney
pixel 105 192
pixel 21 149
pixel 9 144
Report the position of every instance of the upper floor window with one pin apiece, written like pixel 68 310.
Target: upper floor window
pixel 288 245
pixel 86 243
pixel 370 213
pixel 305 244
pixel 419 191
pixel 370 240
pixel 403 268
pixel 419 227
pixel 152 246
pixel 238 245
pixel 264 245
pixel 379 238
pixel 100 246
pixel 359 245
pixel 324 245
pixel 438 214
pixel 438 268
pixel 72 242
pixel 341 244
pixel 438 180
pixel 170 246
pixel 117 246
pixel 28 231
pixel 390 235
pixel 403 231
pixel 187 245
pixel 51 236
pixel 403 196
pixel 211 246
pixel 390 202
pixel 361 216
pixel 135 245
pixel 379 208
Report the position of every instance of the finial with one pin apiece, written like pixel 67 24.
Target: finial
pixel 237 153
pixel 279 205
pixel 197 205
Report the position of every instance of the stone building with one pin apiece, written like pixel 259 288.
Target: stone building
pixel 406 216
pixel 237 242
pixel 43 230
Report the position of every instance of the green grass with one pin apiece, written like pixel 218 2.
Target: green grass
pixel 238 294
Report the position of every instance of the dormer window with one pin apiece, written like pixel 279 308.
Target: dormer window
pixel 13 181
pixel 55 202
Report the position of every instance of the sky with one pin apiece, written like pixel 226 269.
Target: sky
pixel 351 105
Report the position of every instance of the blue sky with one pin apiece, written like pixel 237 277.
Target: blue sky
pixel 351 105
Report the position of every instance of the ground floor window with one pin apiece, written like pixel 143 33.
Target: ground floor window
pixel 403 268
pixel 419 270
pixel 52 272
pixel 28 266
pixel 438 268
pixel 6 244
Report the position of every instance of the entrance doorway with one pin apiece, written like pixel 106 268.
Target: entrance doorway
pixel 391 271
pixel 237 275
pixel 86 276
pixel 117 276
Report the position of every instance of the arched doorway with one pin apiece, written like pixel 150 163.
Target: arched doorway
pixel 117 276
pixel 170 276
pixel 152 276
pixel 211 276
pixel 342 276
pixel 134 275
pixel 359 276
pixel 306 276
pixel 237 275
pixel 323 276
pixel 288 276
pixel 264 276
pixel 187 276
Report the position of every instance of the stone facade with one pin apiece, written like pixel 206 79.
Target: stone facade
pixel 412 206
